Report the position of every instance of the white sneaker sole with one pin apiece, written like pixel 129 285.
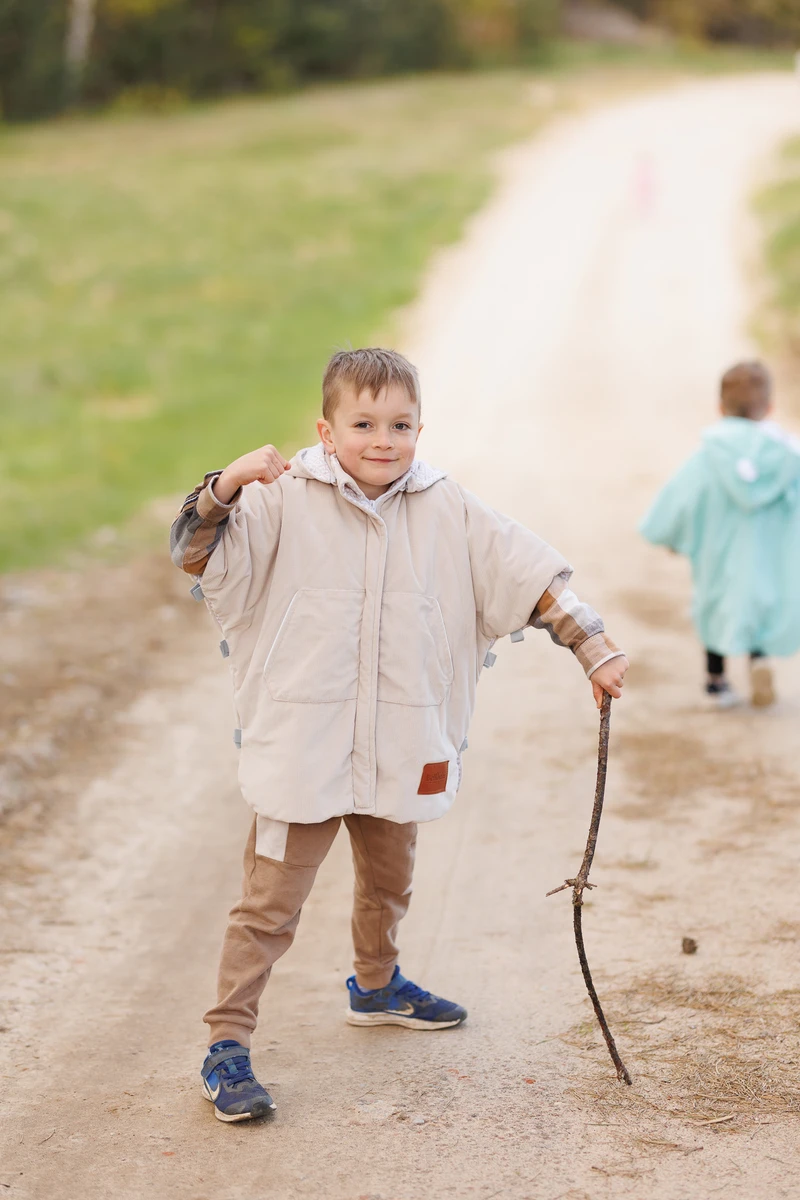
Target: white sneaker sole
pixel 724 701
pixel 221 1116
pixel 387 1018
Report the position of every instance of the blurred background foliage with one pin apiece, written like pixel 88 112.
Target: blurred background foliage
pixel 757 22
pixel 779 322
pixel 173 283
pixel 141 49
pixel 175 274
pixel 54 53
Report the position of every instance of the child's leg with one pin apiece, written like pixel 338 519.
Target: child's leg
pixel 716 685
pixel 718 689
pixel 715 665
pixel 280 865
pixel 383 857
pixel 762 687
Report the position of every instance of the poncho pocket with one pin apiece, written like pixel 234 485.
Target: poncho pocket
pixel 314 658
pixel 415 666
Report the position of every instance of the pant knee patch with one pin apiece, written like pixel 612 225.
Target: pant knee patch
pixel 271 838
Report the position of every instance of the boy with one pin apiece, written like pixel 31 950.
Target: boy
pixel 359 592
pixel 733 510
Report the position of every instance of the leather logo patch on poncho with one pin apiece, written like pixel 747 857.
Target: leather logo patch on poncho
pixel 434 779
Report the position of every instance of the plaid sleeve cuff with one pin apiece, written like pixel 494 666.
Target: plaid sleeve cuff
pixel 595 651
pixel 573 624
pixel 208 508
pixel 197 530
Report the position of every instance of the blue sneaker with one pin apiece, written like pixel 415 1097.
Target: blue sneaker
pixel 401 1002
pixel 231 1086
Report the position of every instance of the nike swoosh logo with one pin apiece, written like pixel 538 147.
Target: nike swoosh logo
pixel 404 1012
pixel 214 1094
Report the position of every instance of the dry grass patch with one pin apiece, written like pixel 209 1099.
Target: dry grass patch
pixel 77 647
pixel 648 673
pixel 656 610
pixel 714 1052
pixel 670 771
pixel 631 864
pixel 786 931
pixel 670 767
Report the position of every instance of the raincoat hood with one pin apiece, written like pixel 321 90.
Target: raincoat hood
pixel 754 461
pixel 733 510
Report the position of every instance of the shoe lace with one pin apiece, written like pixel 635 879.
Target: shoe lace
pixel 413 992
pixel 237 1070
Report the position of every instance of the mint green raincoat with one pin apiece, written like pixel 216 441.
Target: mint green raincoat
pixel 734 510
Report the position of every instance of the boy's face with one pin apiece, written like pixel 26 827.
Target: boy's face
pixel 373 437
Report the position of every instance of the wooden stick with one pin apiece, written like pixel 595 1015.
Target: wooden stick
pixel 581 882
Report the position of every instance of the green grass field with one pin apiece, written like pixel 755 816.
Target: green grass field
pixel 779 207
pixel 173 284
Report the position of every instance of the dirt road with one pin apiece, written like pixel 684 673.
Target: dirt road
pixel 569 351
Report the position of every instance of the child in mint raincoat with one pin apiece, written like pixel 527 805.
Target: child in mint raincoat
pixel 734 510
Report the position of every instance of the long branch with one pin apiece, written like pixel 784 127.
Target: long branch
pixel 581 882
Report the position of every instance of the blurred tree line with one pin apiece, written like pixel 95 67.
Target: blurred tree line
pixel 754 22
pixel 54 53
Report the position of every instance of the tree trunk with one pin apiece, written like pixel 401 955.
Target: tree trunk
pixel 79 38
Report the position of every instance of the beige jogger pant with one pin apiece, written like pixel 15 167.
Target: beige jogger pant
pixel 280 864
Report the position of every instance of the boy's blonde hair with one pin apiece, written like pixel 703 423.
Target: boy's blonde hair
pixel 370 370
pixel 745 390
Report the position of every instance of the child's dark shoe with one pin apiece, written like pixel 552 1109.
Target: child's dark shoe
pixel 401 1002
pixel 721 694
pixel 762 688
pixel 230 1085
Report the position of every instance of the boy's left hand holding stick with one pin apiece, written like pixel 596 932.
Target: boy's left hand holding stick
pixel 609 677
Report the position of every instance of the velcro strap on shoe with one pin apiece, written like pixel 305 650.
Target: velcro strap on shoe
pixel 221 1056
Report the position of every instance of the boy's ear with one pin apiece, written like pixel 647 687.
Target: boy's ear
pixel 325 435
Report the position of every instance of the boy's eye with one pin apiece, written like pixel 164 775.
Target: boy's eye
pixel 402 425
pixel 362 424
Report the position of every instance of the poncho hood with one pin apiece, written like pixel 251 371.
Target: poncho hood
pixel 754 461
pixel 315 463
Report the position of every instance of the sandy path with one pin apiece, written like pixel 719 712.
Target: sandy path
pixel 569 351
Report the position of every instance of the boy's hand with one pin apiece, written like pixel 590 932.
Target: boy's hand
pixel 265 465
pixel 609 678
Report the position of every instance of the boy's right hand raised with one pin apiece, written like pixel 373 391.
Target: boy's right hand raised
pixel 265 465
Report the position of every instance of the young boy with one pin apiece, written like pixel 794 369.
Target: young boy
pixel 733 510
pixel 359 592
